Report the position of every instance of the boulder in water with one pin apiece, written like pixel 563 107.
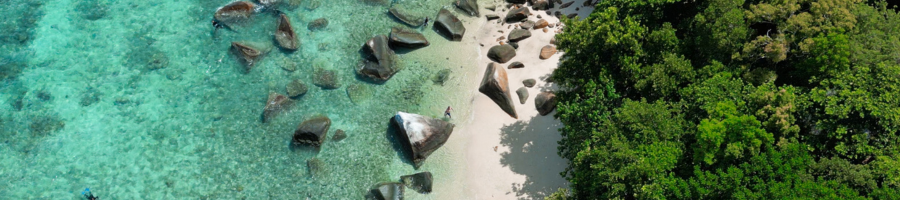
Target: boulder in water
pixel 517 15
pixel 387 191
pixel 285 36
pixel 247 54
pixel 502 53
pixel 404 17
pixel 326 79
pixel 401 37
pixel 235 12
pixel 449 25
pixel 420 182
pixel 339 135
pixel 545 102
pixel 380 61
pixel 496 86
pixel 317 24
pixel 276 104
pixel 542 5
pixel 423 134
pixel 470 6
pixel 313 131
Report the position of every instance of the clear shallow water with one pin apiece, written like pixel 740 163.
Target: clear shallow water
pixel 137 99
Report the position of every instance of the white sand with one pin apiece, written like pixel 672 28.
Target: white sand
pixel 525 164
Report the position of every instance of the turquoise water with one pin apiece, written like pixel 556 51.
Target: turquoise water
pixel 141 99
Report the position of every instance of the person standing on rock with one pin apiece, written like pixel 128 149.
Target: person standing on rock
pixel 447 112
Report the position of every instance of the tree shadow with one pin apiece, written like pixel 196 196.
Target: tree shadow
pixel 532 147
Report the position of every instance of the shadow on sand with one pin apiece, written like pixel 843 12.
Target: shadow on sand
pixel 532 152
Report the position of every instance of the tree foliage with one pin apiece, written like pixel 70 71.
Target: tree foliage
pixel 731 99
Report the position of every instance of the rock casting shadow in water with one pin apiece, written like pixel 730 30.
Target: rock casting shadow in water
pixel 532 152
pixel 400 145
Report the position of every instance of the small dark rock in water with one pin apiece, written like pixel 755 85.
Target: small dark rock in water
pixel 316 166
pixel 420 182
pixel 276 104
pixel 285 36
pixel 387 191
pixel 517 15
pixel 246 54
pixel 502 53
pixel 572 16
pixel 313 131
pixel 296 88
pixel 542 5
pixel 326 79
pixel 43 95
pixel 339 135
pixel 529 82
pixel 545 102
pixel 492 16
pixel 523 94
pixel 401 37
pixel 404 17
pixel 587 3
pixel 317 24
pixel 516 65
pixel 441 77
pixel 496 86
pixel 449 25
pixel 43 125
pixel 566 5
pixel 89 97
pixel 92 10
pixel 518 35
pixel 235 12
pixel 470 6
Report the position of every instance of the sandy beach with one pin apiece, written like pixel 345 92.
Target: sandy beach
pixel 508 158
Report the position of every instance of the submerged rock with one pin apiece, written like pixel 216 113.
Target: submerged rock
pixel 235 12
pixel 545 102
pixel 496 86
pixel 406 38
pixel 317 24
pixel 470 6
pixel 387 191
pixel 312 131
pixel 523 94
pixel 502 53
pixel 420 182
pixel 246 54
pixel 517 15
pixel 518 35
pixel 404 17
pixel 316 166
pixel 326 79
pixel 296 88
pixel 276 104
pixel 423 134
pixel 339 135
pixel 285 36
pixel 380 62
pixel 449 25
pixel 359 93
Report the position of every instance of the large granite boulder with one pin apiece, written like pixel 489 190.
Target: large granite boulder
pixel 517 15
pixel 423 134
pixel 405 17
pixel 420 182
pixel 470 6
pixel 401 37
pixel 387 191
pixel 496 86
pixel 545 102
pixel 285 36
pixel 313 131
pixel 518 35
pixel 449 25
pixel 380 59
pixel 502 53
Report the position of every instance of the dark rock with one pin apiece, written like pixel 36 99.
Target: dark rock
pixel 470 6
pixel 541 24
pixel 326 79
pixel 502 53
pixel 276 104
pixel 517 15
pixel 547 51
pixel 235 12
pixel 545 102
pixel 527 24
pixel 387 191
pixel 572 15
pixel 402 15
pixel 285 36
pixel 529 82
pixel 492 16
pixel 542 5
pixel 449 25
pixel 523 94
pixel 518 35
pixel 406 38
pixel 339 135
pixel 496 86
pixel 423 134
pixel 296 88
pixel 379 64
pixel 317 24
pixel 516 65
pixel 420 182
pixel 566 5
pixel 247 54
pixel 313 131
pixel 515 45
